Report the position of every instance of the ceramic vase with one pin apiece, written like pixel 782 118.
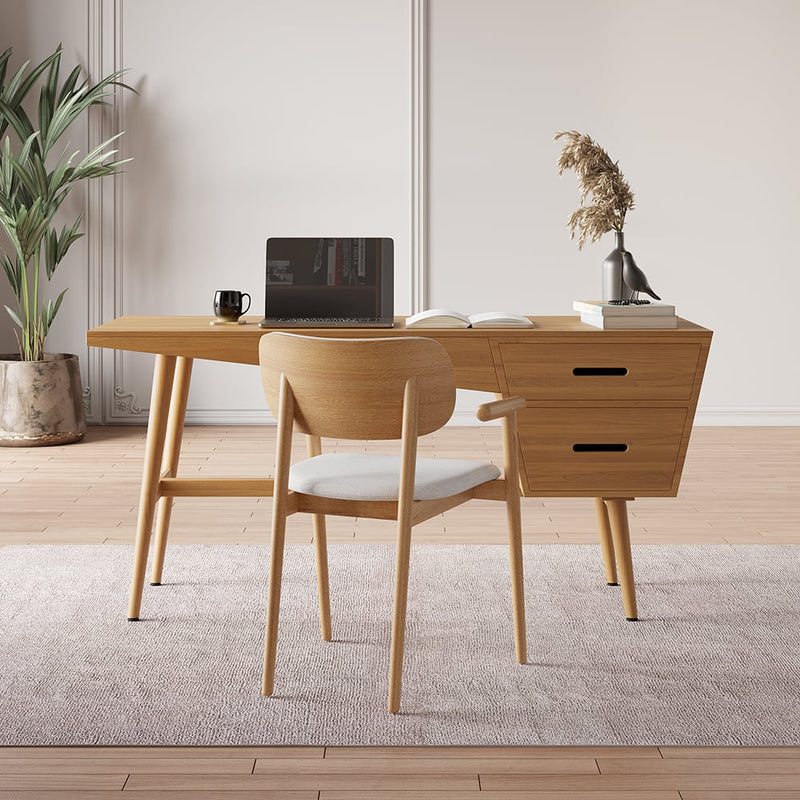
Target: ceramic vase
pixel 614 288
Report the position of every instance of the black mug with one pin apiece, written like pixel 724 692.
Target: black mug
pixel 228 304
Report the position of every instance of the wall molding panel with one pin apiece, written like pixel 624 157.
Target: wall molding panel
pixel 106 399
pixel 121 404
pixel 93 366
pixel 419 155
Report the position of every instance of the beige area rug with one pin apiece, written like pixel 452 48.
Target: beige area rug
pixel 712 661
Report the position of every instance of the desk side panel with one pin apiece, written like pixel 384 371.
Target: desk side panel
pixel 705 346
pixel 239 349
pixel 473 364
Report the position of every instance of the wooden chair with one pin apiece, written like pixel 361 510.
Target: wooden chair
pixel 364 389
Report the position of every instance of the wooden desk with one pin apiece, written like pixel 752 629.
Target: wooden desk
pixel 608 413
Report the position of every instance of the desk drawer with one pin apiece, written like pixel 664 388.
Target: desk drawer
pixel 602 370
pixel 600 451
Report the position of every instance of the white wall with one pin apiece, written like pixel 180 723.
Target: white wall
pixel 697 101
pixel 240 132
pixel 256 120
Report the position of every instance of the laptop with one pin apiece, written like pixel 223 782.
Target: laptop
pixel 329 282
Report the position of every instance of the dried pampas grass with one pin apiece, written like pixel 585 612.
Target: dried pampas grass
pixel 600 177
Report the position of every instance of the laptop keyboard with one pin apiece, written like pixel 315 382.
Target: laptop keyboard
pixel 324 320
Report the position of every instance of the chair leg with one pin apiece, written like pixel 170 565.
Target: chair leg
pixel 514 516
pixel 404 525
pixel 618 514
pixel 606 542
pixel 314 448
pixel 517 577
pixel 399 616
pixel 323 586
pixel 274 600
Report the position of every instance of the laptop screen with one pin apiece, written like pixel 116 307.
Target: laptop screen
pixel 336 279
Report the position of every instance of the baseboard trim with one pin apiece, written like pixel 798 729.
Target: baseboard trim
pixel 465 418
pixel 768 417
pixel 248 416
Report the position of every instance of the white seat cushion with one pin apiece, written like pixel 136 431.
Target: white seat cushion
pixel 353 476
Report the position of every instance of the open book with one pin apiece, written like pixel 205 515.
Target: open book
pixel 442 318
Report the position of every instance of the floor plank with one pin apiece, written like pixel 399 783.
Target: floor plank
pixel 57 781
pixel 484 795
pixel 700 766
pixel 733 794
pixel 319 782
pixel 521 753
pixel 730 752
pixel 630 783
pixel 308 794
pixel 131 765
pixel 161 752
pixel 386 764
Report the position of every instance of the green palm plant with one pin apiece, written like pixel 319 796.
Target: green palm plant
pixel 35 179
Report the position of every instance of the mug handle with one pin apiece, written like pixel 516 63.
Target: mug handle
pixel 244 294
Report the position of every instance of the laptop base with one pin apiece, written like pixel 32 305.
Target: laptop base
pixel 319 323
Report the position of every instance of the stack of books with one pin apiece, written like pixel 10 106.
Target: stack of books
pixel 618 317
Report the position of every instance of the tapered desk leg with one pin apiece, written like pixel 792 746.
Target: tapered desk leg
pixel 618 517
pixel 163 374
pixel 606 542
pixel 169 467
pixel 280 510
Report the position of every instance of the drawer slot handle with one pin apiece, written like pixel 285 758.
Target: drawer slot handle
pixel 592 447
pixel 580 371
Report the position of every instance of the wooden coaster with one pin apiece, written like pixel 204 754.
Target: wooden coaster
pixel 217 321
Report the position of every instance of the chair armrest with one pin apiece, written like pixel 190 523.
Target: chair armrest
pixel 499 408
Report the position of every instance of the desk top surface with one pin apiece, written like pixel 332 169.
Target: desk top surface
pixel 195 337
pixel 133 327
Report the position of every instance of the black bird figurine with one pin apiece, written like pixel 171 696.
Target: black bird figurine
pixel 635 279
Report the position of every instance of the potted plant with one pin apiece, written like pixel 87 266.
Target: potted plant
pixel 40 393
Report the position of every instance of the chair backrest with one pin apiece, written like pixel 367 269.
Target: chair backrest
pixel 354 388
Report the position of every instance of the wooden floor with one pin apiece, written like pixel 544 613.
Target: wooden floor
pixel 740 485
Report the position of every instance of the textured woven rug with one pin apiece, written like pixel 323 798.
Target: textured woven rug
pixel 714 659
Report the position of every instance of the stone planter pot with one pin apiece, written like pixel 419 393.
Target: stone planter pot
pixel 41 401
